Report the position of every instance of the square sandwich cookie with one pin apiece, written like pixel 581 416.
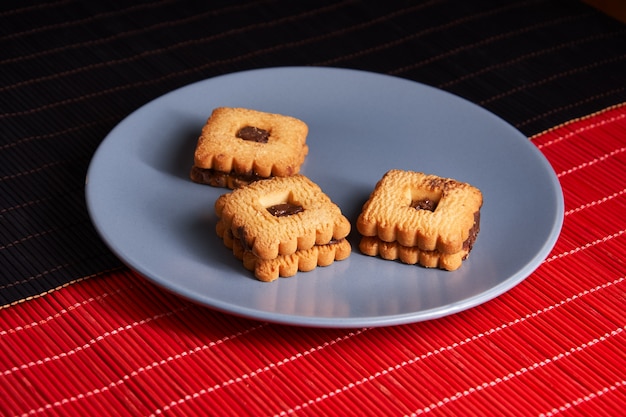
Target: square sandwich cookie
pixel 420 219
pixel 282 225
pixel 238 146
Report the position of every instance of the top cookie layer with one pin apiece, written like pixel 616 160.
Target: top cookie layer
pixel 247 141
pixel 256 215
pixel 419 210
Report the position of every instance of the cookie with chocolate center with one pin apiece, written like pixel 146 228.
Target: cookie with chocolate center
pixel 282 225
pixel 420 219
pixel 238 146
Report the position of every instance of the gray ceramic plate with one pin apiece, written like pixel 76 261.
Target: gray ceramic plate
pixel 360 125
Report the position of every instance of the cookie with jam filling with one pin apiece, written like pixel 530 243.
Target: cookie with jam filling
pixel 420 219
pixel 238 146
pixel 282 225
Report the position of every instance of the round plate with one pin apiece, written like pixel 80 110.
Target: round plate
pixel 361 125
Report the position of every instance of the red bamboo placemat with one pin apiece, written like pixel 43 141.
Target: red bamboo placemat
pixel 115 344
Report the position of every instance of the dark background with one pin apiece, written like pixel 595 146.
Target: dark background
pixel 71 70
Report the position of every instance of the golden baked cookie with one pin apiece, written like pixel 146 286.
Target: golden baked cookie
pixel 281 225
pixel 288 265
pixel 438 218
pixel 238 146
pixel 373 246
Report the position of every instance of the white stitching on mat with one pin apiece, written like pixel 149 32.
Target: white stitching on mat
pixel 27 9
pixel 578 119
pixel 592 162
pixel 74 128
pixel 519 372
pixel 160 51
pixel 586 246
pixel 588 397
pixel 527 86
pixel 63 311
pixel 596 202
pixel 580 130
pixel 427 31
pixel 39 275
pixel 447 348
pixel 257 371
pixel 148 367
pixel 486 41
pixel 169 24
pixel 572 105
pixel 91 18
pixel 28 237
pixel 51 290
pixel 93 341
pixel 32 171
pixel 534 54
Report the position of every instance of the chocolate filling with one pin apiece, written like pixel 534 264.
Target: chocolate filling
pixel 219 178
pixel 473 233
pixel 331 242
pixel 424 204
pixel 247 248
pixel 241 232
pixel 284 209
pixel 242 238
pixel 253 134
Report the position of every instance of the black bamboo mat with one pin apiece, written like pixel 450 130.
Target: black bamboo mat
pixel 71 70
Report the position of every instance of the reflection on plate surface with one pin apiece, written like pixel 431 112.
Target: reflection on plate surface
pixel 360 125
